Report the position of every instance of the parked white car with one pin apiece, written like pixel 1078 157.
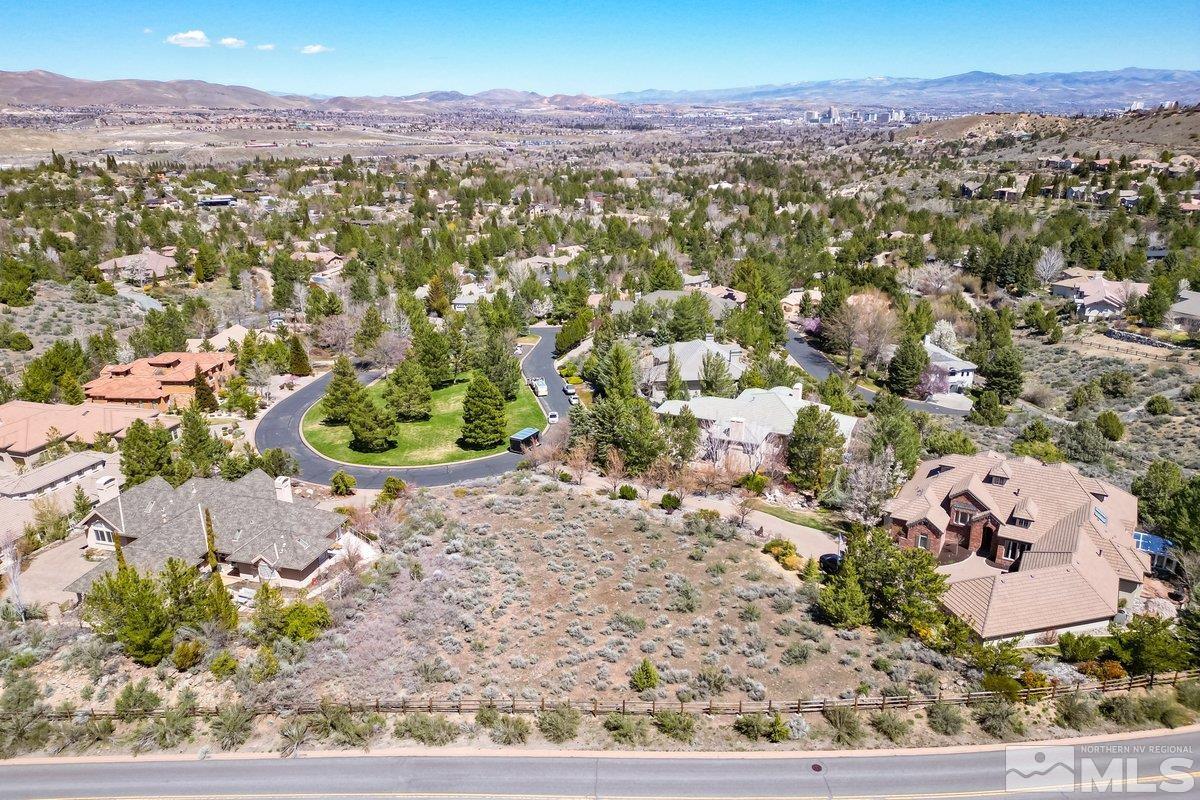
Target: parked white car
pixel 552 418
pixel 568 389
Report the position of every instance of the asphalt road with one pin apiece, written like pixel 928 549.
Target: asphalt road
pixel 280 427
pixel 938 776
pixel 816 364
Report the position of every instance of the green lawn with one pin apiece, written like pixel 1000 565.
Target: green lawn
pixel 817 519
pixel 433 441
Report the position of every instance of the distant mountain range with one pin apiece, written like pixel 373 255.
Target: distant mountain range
pixel 1054 92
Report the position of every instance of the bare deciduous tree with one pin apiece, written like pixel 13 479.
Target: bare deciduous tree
pixel 614 468
pixel 336 333
pixel 933 279
pixel 1049 265
pixel 578 459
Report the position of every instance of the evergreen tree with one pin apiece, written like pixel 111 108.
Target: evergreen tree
pixel 814 449
pixel 483 415
pixel 130 608
pixel 69 390
pixel 683 434
pixel 906 366
pixel 370 427
pixel 842 601
pixel 893 427
pixel 432 351
pixel 197 446
pixel 343 393
pixel 502 368
pixel 144 453
pixel 81 504
pixel 1003 371
pixel 675 389
pixel 408 394
pixel 298 359
pixel 715 380
pixel 369 331
pixel 615 373
pixel 205 397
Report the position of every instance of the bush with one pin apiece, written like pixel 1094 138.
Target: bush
pixel 627 492
pixel 433 730
pixel 671 502
pixel 890 725
pixel 231 726
pixel 1075 711
pixel 511 729
pixel 1107 670
pixel 342 484
pixel 795 653
pixel 1163 709
pixel 1076 648
pixel 1110 425
pixel 187 654
pixel 760 726
pixel 1007 687
pixel 844 724
pixel 487 717
pixel 678 725
pixel 782 550
pixel 1188 694
pixel 1122 709
pixel 1158 405
pixel 136 700
pixel 999 718
pixel 755 482
pixel 944 718
pixel 560 724
pixel 223 665
pixel 627 729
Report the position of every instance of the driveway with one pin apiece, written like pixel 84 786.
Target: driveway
pixel 816 364
pixel 280 427
pixel 51 569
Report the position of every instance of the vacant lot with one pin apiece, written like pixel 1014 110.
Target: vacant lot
pixel 434 441
pixel 55 315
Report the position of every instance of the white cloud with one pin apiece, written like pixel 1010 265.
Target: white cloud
pixel 264 47
pixel 147 30
pixel 189 39
pixel 313 49
pixel 234 42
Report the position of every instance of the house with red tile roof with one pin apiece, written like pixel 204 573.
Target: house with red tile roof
pixel 27 429
pixel 159 381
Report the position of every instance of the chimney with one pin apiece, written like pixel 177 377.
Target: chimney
pixel 283 489
pixel 737 428
pixel 708 337
pixel 107 488
pixel 798 390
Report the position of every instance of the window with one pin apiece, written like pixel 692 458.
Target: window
pixel 1013 550
pixel 1022 523
pixel 922 541
pixel 962 516
pixel 102 534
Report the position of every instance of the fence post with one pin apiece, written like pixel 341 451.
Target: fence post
pixel 1150 684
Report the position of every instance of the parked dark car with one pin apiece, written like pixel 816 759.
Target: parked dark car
pixel 831 563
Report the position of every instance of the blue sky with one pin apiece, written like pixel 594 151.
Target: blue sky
pixel 596 46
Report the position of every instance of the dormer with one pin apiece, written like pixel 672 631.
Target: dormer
pixel 998 475
pixel 1025 513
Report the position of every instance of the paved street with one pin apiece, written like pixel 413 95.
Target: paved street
pixel 930 776
pixel 816 364
pixel 280 427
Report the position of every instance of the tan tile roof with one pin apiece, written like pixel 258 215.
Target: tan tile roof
pixel 24 426
pixel 147 378
pixel 1018 602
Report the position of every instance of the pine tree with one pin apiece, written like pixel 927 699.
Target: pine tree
pixel 205 397
pixel 408 393
pixel 370 427
pixel 433 352
pixel 343 393
pixel 814 449
pixel 615 373
pixel 674 388
pixel 197 446
pixel 715 380
pixel 298 358
pixel 69 390
pixel 644 677
pixel 483 415
pixel 142 452
pixel 906 366
pixel 842 601
pixel 80 504
pixel 369 331
pixel 501 367
pixel 1003 371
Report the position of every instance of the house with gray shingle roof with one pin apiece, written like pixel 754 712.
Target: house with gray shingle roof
pixel 262 533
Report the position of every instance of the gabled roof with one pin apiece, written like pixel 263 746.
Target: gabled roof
pixel 25 427
pixel 763 410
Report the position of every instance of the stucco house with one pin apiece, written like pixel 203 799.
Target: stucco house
pixel 27 429
pixel 960 373
pixel 160 381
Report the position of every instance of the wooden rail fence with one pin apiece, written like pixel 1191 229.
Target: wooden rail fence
pixel 709 707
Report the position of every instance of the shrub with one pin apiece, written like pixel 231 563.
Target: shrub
pixel 187 654
pixel 678 725
pixel 1158 405
pixel 627 492
pixel 1121 709
pixel 1007 687
pixel 231 726
pixel 223 665
pixel 511 729
pixel 1188 694
pixel 293 736
pixel 342 484
pixel 944 718
pixel 844 724
pixel 890 725
pixel 23 722
pixel 1107 670
pixel 1164 710
pixel 671 502
pixel 433 730
pixel 487 717
pixel 1110 425
pixel 173 728
pixel 758 726
pixel 644 677
pixel 1075 711
pixel 136 700
pixel 627 729
pixel 784 552
pixel 559 724
pixel 1075 648
pixel 999 718
pixel 755 482
pixel 795 653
